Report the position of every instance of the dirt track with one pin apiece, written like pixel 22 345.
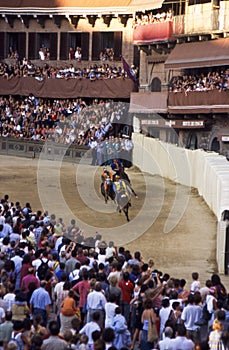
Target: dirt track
pixel 71 191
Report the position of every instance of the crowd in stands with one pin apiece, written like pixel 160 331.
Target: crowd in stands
pixel 13 54
pixel 107 54
pixel 77 54
pixel 97 125
pixel 62 289
pixel 25 68
pixel 213 80
pixel 144 18
pixel 44 53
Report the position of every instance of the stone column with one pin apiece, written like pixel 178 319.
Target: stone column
pixel 143 72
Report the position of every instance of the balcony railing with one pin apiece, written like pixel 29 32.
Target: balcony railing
pixel 159 31
pixel 193 102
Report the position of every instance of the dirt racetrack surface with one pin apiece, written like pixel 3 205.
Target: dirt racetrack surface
pixel 73 191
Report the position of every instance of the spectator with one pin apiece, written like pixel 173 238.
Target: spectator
pixel 54 341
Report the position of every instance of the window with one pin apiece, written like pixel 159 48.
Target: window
pixel 215 145
pixel 106 40
pixel 155 85
pixel 192 143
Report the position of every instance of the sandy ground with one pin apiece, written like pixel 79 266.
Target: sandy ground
pixel 73 191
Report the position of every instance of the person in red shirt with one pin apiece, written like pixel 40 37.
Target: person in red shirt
pixel 80 256
pixel 82 288
pixel 29 278
pixel 127 288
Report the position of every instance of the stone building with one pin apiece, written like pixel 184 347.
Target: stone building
pixel 166 39
pixel 193 41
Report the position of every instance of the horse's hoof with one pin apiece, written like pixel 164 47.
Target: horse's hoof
pixel 136 197
pixel 128 219
pixel 120 211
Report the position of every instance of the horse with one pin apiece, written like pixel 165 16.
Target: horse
pixel 123 201
pixel 109 193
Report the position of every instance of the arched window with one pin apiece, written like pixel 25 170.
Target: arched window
pixel 192 142
pixel 215 145
pixel 155 85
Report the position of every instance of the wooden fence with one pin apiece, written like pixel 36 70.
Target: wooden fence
pixel 47 150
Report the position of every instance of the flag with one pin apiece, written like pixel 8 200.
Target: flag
pixel 129 71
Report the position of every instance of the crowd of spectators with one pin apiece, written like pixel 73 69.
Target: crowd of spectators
pixel 213 80
pixel 97 124
pixel 13 54
pixel 77 54
pixel 25 68
pixel 148 18
pixel 107 54
pixel 61 288
pixel 44 53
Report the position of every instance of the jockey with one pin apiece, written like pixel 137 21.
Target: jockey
pixel 106 178
pixel 117 166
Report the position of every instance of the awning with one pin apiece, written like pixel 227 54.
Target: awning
pixel 148 102
pixel 199 54
pixel 63 3
pixel 73 6
pixel 141 5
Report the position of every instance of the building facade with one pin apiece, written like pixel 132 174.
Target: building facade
pixel 170 41
pixel 181 59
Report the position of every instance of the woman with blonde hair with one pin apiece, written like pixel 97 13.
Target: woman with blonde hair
pixel 215 337
pixel 114 289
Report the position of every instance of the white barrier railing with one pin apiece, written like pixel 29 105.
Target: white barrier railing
pixel 208 172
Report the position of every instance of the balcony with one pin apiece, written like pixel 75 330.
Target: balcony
pixel 197 102
pixel 153 32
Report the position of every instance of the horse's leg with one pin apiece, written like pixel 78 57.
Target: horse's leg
pixel 134 193
pixel 106 196
pixel 125 209
pixel 126 177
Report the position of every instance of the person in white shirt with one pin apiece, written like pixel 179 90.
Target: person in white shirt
pixel 96 301
pixel 195 285
pixel 166 342
pixel 41 54
pixel 110 250
pixel 75 274
pixel 110 310
pixel 90 327
pixel 211 304
pixel 164 314
pixel 10 297
pixel 78 55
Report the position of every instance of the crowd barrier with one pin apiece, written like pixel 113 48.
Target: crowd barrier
pixel 208 172
pixel 48 150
